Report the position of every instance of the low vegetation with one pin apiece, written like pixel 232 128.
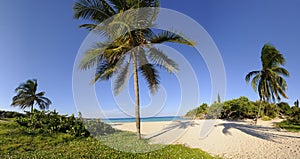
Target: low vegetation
pixel 243 108
pixel 25 140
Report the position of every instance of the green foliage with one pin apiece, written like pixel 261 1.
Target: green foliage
pixel 215 111
pixel 296 103
pixel 295 115
pixel 265 118
pixel 52 122
pixel 15 143
pixel 10 114
pixel 199 112
pixel 98 128
pixel 268 109
pixel 27 96
pixel 269 82
pixel 284 108
pixel 289 125
pixel 239 108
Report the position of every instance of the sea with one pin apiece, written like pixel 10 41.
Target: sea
pixel 148 119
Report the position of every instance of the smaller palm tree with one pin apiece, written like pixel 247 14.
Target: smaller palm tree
pixel 27 96
pixel 269 82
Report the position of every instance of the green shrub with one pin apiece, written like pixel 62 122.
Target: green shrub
pixel 265 118
pixel 239 108
pixel 215 111
pixel 284 108
pixel 52 122
pixel 199 112
pixel 98 128
pixel 10 114
pixel 289 125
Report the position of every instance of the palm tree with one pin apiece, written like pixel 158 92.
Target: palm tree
pixel 269 82
pixel 119 51
pixel 27 96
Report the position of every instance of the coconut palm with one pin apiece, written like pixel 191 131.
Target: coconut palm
pixel 269 82
pixel 125 47
pixel 27 96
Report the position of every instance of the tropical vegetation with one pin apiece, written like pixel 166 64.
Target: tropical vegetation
pixel 27 96
pixel 129 42
pixel 26 142
pixel 269 82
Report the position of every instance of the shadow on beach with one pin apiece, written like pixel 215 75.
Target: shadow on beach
pixel 262 132
pixel 175 126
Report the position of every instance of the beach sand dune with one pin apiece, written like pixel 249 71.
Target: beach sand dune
pixel 229 139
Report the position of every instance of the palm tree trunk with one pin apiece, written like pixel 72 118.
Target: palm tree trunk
pixel 259 108
pixel 137 97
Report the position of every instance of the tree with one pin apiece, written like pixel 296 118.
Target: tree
pixel 269 82
pixel 219 98
pixel 296 103
pixel 27 96
pixel 284 108
pixel 125 47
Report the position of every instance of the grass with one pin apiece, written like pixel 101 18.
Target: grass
pixel 17 142
pixel 289 126
pixel 266 118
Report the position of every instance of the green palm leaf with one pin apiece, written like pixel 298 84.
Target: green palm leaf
pixel 122 78
pixel 159 58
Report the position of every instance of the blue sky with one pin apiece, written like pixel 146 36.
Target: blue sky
pixel 40 39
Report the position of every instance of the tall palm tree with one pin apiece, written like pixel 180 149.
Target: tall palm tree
pixel 27 96
pixel 115 55
pixel 269 82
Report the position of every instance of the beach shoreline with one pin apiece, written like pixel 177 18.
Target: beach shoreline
pixel 229 139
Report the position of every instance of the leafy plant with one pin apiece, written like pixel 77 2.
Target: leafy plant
pixel 52 122
pixel 98 128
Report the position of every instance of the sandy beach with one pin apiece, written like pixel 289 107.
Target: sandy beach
pixel 229 139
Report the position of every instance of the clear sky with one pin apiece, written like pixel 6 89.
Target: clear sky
pixel 40 39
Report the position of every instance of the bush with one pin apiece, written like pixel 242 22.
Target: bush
pixel 295 116
pixel 284 108
pixel 265 118
pixel 288 125
pixel 239 108
pixel 199 112
pixel 10 114
pixel 215 111
pixel 51 122
pixel 98 128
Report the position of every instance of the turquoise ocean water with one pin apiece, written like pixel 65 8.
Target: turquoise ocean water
pixel 149 119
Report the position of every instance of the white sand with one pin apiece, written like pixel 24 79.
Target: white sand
pixel 224 138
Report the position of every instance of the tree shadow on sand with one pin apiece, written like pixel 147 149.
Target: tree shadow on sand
pixel 262 132
pixel 174 126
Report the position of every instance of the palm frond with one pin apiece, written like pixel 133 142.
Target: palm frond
pixel 167 36
pixel 122 78
pixel 106 70
pixel 255 81
pixel 148 71
pixel 120 5
pixel 94 10
pixel 281 71
pixel 250 74
pixel 26 96
pixel 151 76
pixel 159 58
pixel 93 56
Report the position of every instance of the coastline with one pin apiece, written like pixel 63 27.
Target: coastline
pixel 229 139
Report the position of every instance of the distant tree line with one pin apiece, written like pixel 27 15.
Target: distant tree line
pixel 243 108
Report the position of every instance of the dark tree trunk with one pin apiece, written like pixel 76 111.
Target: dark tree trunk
pixel 258 114
pixel 137 97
